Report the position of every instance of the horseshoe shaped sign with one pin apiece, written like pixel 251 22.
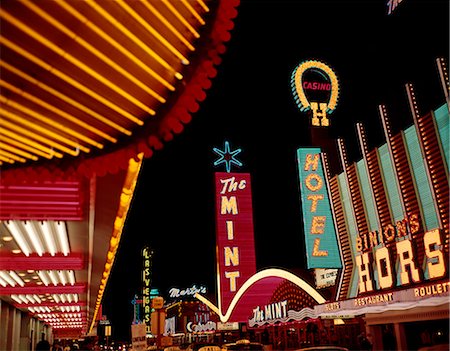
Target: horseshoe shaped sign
pixel 315 87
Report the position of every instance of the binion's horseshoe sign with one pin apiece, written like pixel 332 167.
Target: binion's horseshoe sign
pixel 315 87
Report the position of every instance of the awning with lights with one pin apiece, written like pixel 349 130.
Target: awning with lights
pixel 88 90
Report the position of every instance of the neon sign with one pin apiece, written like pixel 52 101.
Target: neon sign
pixel 177 293
pixel 227 157
pixel 320 235
pixel 325 80
pixel 270 312
pixel 235 242
pixel 146 300
pixel 378 263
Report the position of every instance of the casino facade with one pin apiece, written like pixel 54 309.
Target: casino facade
pixel 391 210
pixel 376 236
pixel 391 215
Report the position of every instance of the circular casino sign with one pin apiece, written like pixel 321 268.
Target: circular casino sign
pixel 315 87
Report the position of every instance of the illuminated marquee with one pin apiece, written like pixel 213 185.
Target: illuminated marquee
pixel 320 236
pixel 235 242
pixel 309 79
pixel 376 262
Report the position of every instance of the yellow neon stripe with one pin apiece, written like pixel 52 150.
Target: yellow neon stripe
pixel 50 152
pixel 181 18
pixel 5 159
pixel 26 132
pixel 134 38
pixel 79 64
pixel 152 31
pixel 203 5
pixel 168 25
pixel 45 131
pixel 17 151
pixel 48 120
pixel 194 13
pixel 24 146
pixel 270 272
pixel 69 101
pixel 12 156
pixel 92 49
pixel 128 190
pixel 116 44
pixel 68 79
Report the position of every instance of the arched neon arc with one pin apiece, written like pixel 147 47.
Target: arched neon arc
pixel 270 272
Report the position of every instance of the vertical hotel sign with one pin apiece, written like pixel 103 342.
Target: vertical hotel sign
pixel 235 241
pixel 320 236
pixel 146 273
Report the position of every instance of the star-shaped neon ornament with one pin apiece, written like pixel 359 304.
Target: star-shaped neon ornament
pixel 227 156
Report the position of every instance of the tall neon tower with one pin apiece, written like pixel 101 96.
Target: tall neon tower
pixel 147 255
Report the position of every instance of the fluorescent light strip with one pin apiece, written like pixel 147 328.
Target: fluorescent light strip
pixel 193 12
pixel 134 39
pixel 57 300
pixel 30 298
pixel 6 159
pixel 153 32
pixel 34 238
pixel 48 237
pixel 62 236
pixel 16 278
pixel 17 151
pixel 3 282
pixel 37 298
pixel 7 278
pixel 62 297
pixel 115 44
pixel 71 275
pixel 44 277
pixel 46 120
pixel 29 134
pixel 66 99
pixel 68 79
pixel 77 63
pixel 62 277
pixel 75 297
pixel 18 237
pixel 23 145
pixel 44 130
pixel 93 50
pixel 12 156
pixel 181 18
pixel 23 298
pixel 16 298
pixel 203 5
pixel 158 15
pixel 53 277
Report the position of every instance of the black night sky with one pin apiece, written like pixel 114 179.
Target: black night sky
pixel 250 104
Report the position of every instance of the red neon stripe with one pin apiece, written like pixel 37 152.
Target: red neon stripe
pixel 77 288
pixel 81 304
pixel 73 261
